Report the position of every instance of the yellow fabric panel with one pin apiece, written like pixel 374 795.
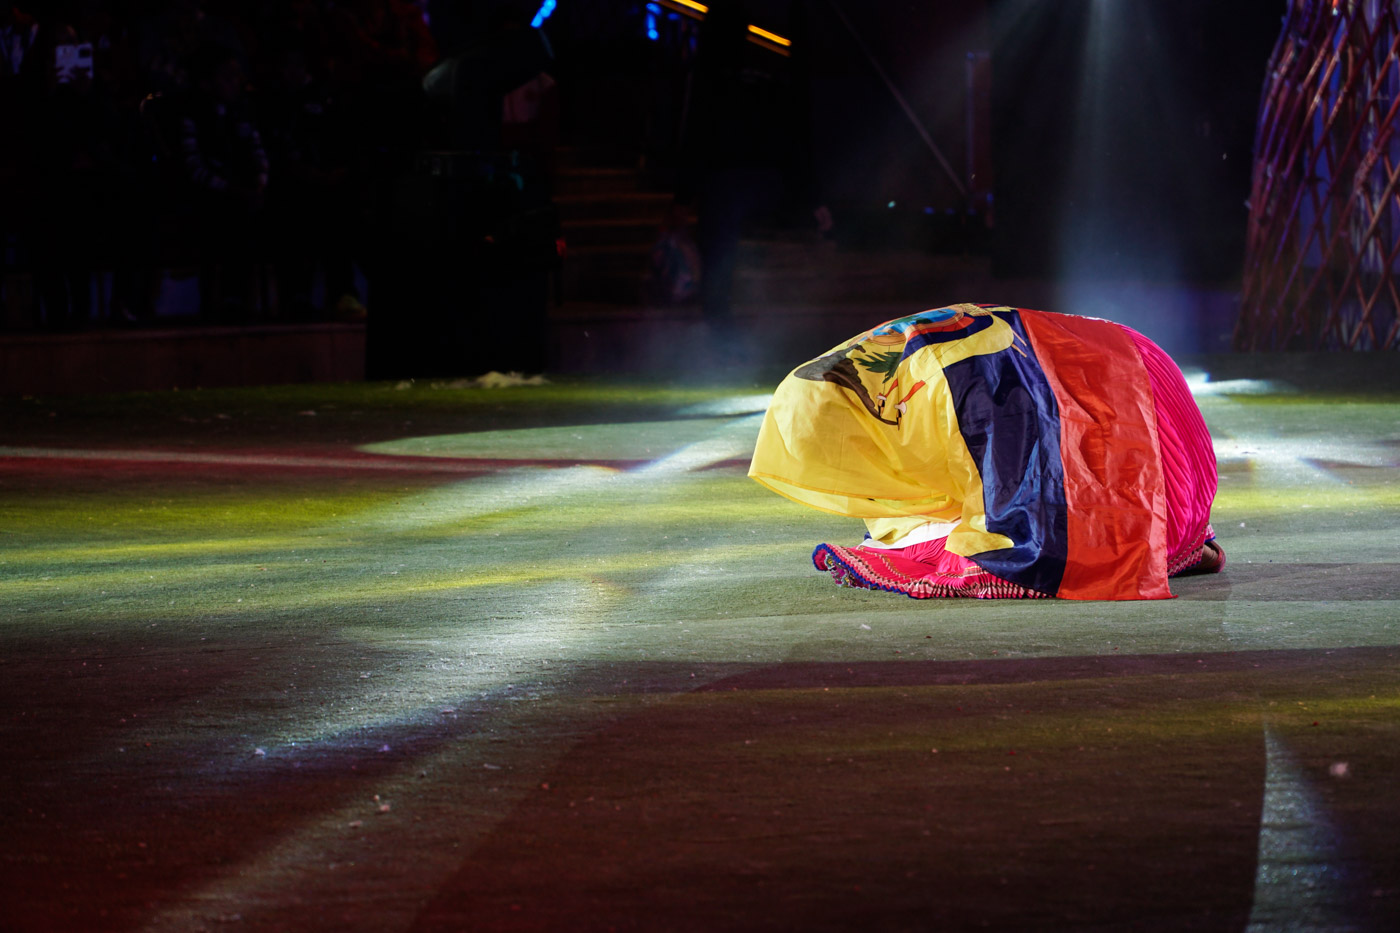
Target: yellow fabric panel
pixel 972 537
pixel 847 447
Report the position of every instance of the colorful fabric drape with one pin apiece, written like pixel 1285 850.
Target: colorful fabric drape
pixel 1035 434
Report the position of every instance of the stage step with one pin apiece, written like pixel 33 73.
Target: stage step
pixel 613 206
pixel 134 360
pixel 607 180
pixel 616 231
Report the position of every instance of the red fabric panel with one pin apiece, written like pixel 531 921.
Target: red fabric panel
pixel 1117 534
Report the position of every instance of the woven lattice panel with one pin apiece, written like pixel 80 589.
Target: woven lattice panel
pixel 1324 219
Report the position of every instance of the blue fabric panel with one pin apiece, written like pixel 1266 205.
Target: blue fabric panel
pixel 1008 417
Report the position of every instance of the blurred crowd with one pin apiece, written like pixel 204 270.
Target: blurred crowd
pixel 239 141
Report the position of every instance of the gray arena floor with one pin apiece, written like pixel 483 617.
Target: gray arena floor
pixel 427 657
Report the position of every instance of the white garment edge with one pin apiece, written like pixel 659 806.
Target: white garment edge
pixel 929 531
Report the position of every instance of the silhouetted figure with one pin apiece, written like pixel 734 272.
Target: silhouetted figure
pixel 76 135
pixel 18 32
pixel 226 176
pixel 471 87
pixel 744 149
pixel 172 39
pixel 313 198
pixel 469 235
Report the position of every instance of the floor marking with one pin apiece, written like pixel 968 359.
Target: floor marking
pixel 729 441
pixel 235 459
pixel 1300 884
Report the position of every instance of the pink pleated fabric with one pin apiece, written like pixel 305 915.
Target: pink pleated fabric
pixel 1188 456
pixel 923 571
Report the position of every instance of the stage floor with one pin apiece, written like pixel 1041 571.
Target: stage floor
pixel 423 657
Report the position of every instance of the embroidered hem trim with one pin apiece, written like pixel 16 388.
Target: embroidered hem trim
pixel 1189 560
pixel 870 570
pixel 873 571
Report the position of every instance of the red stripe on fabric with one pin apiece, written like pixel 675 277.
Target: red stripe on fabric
pixel 1117 534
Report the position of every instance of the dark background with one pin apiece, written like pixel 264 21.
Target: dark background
pixel 1117 133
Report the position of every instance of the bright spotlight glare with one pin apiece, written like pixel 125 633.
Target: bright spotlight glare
pixel 1200 385
pixel 739 405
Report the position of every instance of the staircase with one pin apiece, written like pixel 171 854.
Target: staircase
pixel 797 292
pixel 611 221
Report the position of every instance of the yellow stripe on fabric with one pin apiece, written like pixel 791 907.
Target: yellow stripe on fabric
pixel 971 533
pixel 919 511
pixel 822 445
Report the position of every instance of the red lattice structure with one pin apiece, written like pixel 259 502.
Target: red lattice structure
pixel 1324 218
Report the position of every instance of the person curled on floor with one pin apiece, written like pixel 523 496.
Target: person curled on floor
pixel 997 452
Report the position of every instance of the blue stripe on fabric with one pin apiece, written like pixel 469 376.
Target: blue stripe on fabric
pixel 977 325
pixel 1011 423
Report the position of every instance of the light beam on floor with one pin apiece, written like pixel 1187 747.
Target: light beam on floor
pixel 1299 886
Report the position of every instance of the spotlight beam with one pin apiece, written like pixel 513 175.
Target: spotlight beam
pixel 899 99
